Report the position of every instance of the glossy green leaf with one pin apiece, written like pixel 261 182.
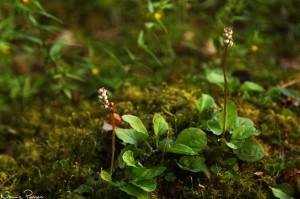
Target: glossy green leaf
pixel 147 185
pixel 136 152
pixel 231 116
pixel 144 173
pixel 287 188
pixel 205 102
pixel 243 121
pixel 215 77
pixel 235 144
pixel 130 136
pixel 128 158
pixel 136 124
pixel 193 164
pixel 214 127
pixel 180 149
pixel 243 132
pixel 250 151
pixel 134 190
pixel 106 176
pixel 194 138
pixel 280 194
pixel 160 126
pixel 251 86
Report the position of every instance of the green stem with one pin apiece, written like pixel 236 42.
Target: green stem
pixel 225 89
pixel 113 144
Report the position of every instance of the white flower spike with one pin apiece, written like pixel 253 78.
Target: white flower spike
pixel 228 37
pixel 104 99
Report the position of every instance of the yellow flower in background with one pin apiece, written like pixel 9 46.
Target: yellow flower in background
pixel 95 71
pixel 157 15
pixel 26 2
pixel 254 48
pixel 5 49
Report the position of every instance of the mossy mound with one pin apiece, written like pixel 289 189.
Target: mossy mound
pixel 58 150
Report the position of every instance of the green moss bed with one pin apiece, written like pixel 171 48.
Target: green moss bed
pixel 58 150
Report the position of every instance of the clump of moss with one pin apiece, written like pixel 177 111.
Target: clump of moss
pixel 7 163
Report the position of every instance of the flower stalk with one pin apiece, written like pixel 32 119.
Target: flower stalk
pixel 228 41
pixel 102 95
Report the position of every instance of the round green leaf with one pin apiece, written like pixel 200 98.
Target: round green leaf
pixel 215 127
pixel 130 136
pixel 205 102
pixel 192 137
pixel 135 123
pixel 128 158
pixel 193 164
pixel 160 125
pixel 251 86
pixel 250 151
pixel 243 132
pixel 243 121
pixel 278 193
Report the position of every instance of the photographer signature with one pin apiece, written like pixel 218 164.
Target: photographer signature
pixel 28 195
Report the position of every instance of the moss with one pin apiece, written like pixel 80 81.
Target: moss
pixel 73 134
pixel 7 163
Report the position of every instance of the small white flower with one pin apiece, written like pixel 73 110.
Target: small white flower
pixel 100 90
pixel 226 41
pixel 100 97
pixel 106 106
pixel 231 43
pixel 104 94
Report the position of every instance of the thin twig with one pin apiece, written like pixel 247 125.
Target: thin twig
pixel 291 82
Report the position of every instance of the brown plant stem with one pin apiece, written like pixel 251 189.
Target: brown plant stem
pixel 113 147
pixel 225 89
pixel 291 82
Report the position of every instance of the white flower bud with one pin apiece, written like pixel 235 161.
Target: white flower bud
pixel 231 43
pixel 106 106
pixel 226 41
pixel 100 90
